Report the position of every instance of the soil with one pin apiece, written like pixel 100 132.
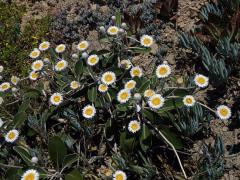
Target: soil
pixel 186 19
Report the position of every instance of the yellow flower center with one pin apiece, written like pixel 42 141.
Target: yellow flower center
pixel 113 30
pixel 44 46
pixel 37 65
pixel 223 112
pixel 130 85
pixel 34 54
pixel 103 87
pixel 108 78
pixel 149 93
pixel 119 177
pixel 146 41
pixel 82 45
pixel 162 70
pixel 124 95
pixel 30 176
pixel 60 65
pixel 56 98
pixel 136 72
pixel 92 60
pixel 189 100
pixel 60 48
pixel 34 75
pixel 11 135
pixel 5 86
pixel 156 101
pixel 89 111
pixel 201 80
pixel 134 126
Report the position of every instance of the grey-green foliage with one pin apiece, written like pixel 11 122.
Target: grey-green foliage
pixel 216 62
pixel 210 8
pixel 212 162
pixel 190 120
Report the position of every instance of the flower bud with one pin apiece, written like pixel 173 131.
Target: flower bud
pixel 102 29
pixel 124 25
pixel 1 69
pixel 14 89
pixel 61 120
pixel 74 56
pixel 137 96
pixel 1 122
pixel 113 18
pixel 138 108
pixel 1 77
pixel 46 60
pixel 34 160
pixel 84 55
pixel 121 31
pixel 1 100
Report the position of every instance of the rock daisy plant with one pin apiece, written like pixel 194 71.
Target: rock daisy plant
pixel 73 107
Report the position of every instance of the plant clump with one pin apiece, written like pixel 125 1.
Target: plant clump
pixel 96 114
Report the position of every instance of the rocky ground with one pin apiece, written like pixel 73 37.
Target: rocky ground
pixel 186 18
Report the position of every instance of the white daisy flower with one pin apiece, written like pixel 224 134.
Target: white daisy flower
pixel 56 99
pixel 1 69
pixel 102 88
pixel 44 46
pixel 146 41
pixel 113 30
pixel 148 93
pixel 223 112
pixel 30 174
pixel 4 86
pixel 15 80
pixel 156 101
pixel 126 64
pixel 83 45
pixel 92 60
pixel 119 175
pixel 130 84
pixel 61 65
pixel 35 53
pixel 123 95
pixel 163 71
pixel 108 77
pixel 11 136
pixel 136 72
pixel 189 100
pixel 33 75
pixel 201 80
pixel 74 85
pixel 134 126
pixel 89 111
pixel 60 48
pixel 37 65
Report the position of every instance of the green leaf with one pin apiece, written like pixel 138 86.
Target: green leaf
pixel 139 49
pixel 122 107
pixel 92 94
pixel 170 104
pixel 74 175
pixel 118 18
pixel 70 159
pixel 148 114
pixel 126 142
pixel 144 86
pixel 23 153
pixel 20 118
pixel 172 137
pixel 145 142
pixel 79 68
pixel 32 93
pixel 25 104
pixel 57 151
